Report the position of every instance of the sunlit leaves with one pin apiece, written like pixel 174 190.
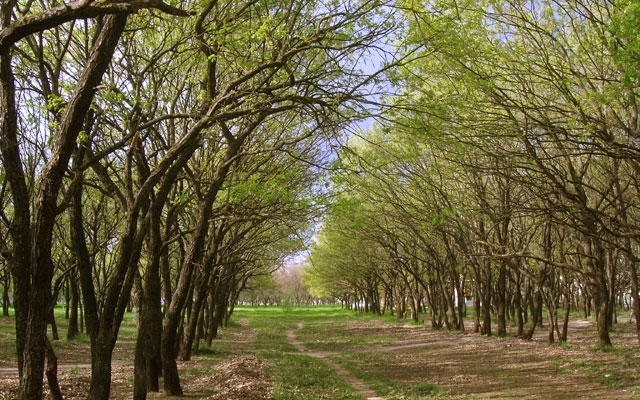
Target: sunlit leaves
pixel 625 42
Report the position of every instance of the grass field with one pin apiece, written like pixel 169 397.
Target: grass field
pixel 256 358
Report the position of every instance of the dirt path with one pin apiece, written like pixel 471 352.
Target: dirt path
pixel 356 383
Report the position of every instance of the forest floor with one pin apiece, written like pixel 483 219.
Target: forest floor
pixel 379 359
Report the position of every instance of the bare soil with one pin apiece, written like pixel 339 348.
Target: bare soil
pixel 463 365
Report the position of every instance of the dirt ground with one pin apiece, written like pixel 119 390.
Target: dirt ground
pixel 237 376
pixel 469 366
pixel 463 365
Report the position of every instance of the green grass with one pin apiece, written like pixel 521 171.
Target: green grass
pixel 326 328
pixel 74 371
pixel 7 338
pixel 295 375
pixel 300 377
pixel 339 335
pixel 195 371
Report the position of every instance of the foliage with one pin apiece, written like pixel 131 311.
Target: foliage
pixel 505 163
pixel 168 161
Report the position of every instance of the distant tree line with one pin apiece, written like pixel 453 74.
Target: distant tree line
pixel 284 288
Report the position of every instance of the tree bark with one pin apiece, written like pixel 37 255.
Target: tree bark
pixel 20 230
pixel 501 298
pixel 565 320
pixel 200 295
pixel 52 373
pixel 486 299
pixel 54 325
pixel 72 330
pixel 147 354
pixel 517 298
pixel 536 305
pixel 601 305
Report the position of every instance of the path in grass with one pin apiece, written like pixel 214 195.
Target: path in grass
pixel 357 384
pixel 403 361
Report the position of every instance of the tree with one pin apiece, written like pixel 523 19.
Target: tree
pixel 533 98
pixel 501 154
pixel 31 230
pixel 307 74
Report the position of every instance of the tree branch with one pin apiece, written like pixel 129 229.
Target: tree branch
pixel 79 9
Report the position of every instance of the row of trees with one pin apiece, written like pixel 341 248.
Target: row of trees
pixel 169 154
pixel 284 288
pixel 507 169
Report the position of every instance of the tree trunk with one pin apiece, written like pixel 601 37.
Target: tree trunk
pixel 502 302
pixel 486 301
pixel 462 309
pixel 140 368
pixel 52 373
pixel 476 312
pixel 101 355
pixel 72 330
pixel 219 308
pixel 201 327
pixel 517 299
pixel 54 326
pixel 528 301
pixel 146 374
pixel 635 299
pixel 194 255
pixel 600 297
pixel 171 384
pixel 34 351
pixel 147 354
pixel 67 299
pixel 20 257
pixel 211 330
pixel 553 321
pixel 536 305
pixel 40 265
pixel 200 295
pixel 5 301
pixel 565 320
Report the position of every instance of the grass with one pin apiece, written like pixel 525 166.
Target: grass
pixel 298 377
pixel 390 389
pixel 7 339
pixel 295 375
pixel 326 329
pixel 607 374
pixel 196 371
pixel 342 336
pixel 74 371
pixel 128 331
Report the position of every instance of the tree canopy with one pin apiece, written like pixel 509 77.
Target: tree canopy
pixel 505 169
pixel 162 156
pixel 439 154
